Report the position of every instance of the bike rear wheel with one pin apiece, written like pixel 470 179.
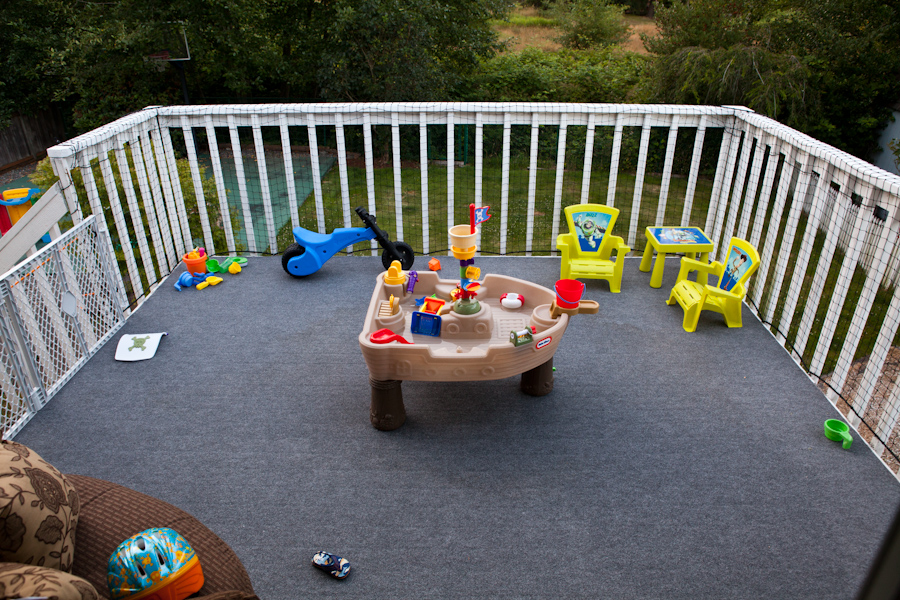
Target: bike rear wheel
pixel 406 253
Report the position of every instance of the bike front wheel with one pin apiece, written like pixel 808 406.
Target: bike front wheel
pixel 292 251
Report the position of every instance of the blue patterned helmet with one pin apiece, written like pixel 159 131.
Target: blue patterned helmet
pixel 155 564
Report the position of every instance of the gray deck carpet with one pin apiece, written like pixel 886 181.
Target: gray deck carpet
pixel 663 464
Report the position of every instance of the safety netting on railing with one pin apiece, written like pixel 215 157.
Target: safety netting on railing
pixel 262 170
pixel 826 227
pixel 239 178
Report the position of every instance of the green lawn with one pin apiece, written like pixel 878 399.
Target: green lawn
pixel 464 194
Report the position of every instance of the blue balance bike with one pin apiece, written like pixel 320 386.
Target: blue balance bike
pixel 312 249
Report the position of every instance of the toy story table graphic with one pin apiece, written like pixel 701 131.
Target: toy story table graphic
pixel 689 240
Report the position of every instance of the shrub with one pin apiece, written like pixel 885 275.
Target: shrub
pixel 590 24
pixel 606 75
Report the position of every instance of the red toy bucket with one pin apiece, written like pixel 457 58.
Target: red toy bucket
pixel 568 293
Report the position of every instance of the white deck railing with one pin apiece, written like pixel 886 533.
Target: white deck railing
pixel 825 223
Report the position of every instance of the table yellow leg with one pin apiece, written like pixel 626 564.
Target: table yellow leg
pixel 703 278
pixel 648 258
pixel 658 266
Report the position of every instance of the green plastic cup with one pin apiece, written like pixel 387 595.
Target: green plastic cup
pixel 838 431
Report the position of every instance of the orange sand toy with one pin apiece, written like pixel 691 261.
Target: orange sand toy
pixel 195 261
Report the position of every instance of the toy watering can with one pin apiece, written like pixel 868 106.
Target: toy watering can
pixel 838 431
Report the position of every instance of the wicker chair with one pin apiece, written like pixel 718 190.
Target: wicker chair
pixel 111 513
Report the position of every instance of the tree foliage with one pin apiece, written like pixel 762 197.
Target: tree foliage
pixel 95 55
pixel 588 24
pixel 567 76
pixel 391 50
pixel 830 68
pixel 31 36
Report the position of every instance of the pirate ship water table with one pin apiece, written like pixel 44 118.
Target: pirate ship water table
pixel 422 328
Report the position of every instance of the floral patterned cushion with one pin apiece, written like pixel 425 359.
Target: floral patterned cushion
pixel 24 581
pixel 38 510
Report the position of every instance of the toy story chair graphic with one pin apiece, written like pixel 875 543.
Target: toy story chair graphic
pixel 726 296
pixel 588 246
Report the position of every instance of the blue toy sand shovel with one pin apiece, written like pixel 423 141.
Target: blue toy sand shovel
pixel 838 431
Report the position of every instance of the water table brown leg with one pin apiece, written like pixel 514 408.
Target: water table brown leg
pixel 387 411
pixel 539 380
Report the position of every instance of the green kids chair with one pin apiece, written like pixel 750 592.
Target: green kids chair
pixel 587 247
pixel 726 296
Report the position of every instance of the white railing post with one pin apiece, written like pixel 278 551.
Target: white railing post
pixel 504 182
pixel 188 132
pixel 219 177
pixel 169 171
pixel 451 158
pixel 588 158
pixel 316 171
pixel 616 152
pixel 289 180
pixel 398 182
pixel 822 187
pixel 560 173
pixel 342 169
pixel 238 153
pixel 731 139
pixel 815 294
pixel 370 170
pixel 887 239
pixel 263 172
pixel 115 207
pixel 765 194
pixel 532 183
pixel 784 186
pixel 423 186
pixel 639 180
pixel 148 168
pixel 63 166
pixel 787 239
pixel 667 172
pixel 694 173
pixel 861 224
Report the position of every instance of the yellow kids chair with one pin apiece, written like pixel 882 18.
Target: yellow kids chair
pixel 726 296
pixel 587 247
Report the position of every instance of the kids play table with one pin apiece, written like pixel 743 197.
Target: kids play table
pixel 688 240
pixel 461 347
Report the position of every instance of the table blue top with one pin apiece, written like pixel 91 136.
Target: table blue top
pixel 679 235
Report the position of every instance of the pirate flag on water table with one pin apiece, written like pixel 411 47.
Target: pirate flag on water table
pixel 478 215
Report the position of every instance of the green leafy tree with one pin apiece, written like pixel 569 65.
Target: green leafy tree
pixel 98 55
pixel 32 35
pixel 827 67
pixel 590 23
pixel 894 147
pixel 389 50
pixel 606 75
